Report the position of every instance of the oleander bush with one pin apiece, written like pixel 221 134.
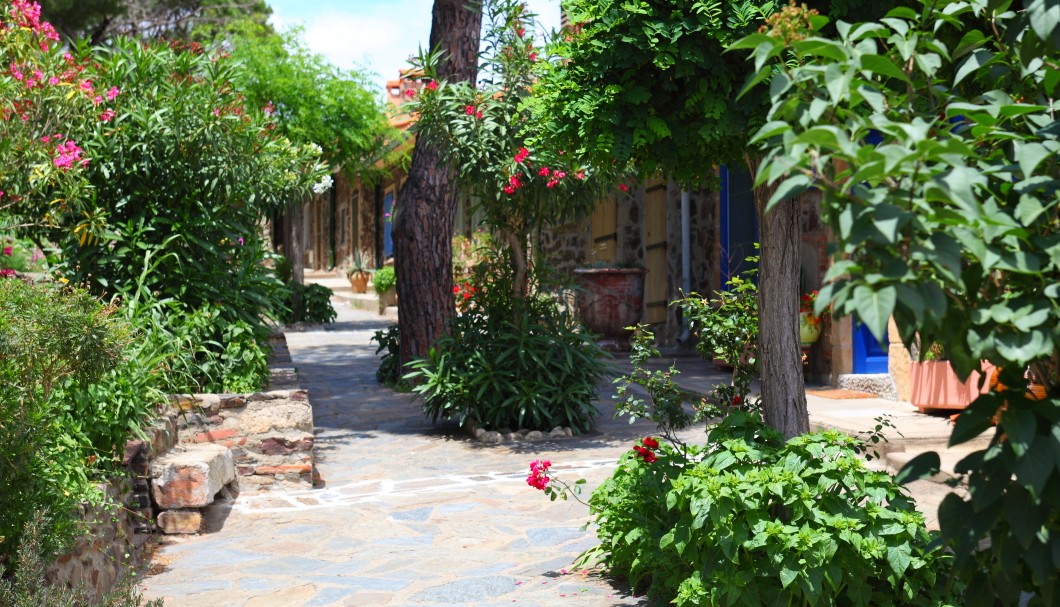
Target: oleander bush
pixel 511 362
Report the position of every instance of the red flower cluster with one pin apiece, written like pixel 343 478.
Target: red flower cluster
pixel 538 477
pixel 521 155
pixel 432 85
pixel 471 110
pixel 464 290
pixel 647 451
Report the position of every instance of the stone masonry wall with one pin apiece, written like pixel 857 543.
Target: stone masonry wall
pixel 270 433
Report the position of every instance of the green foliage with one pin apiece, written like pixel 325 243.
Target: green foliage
pixel 936 155
pixel 28 588
pixel 510 363
pixel 727 327
pixel 314 304
pixel 389 339
pixel 666 401
pixel 51 339
pixel 314 101
pixel 751 520
pixel 649 83
pixel 384 279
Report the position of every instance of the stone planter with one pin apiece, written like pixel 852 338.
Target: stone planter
pixel 610 300
pixel 358 281
pixel 809 330
pixel 387 298
pixel 936 386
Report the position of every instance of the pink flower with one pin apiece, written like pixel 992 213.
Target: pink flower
pixel 86 86
pixel 469 110
pixel 217 111
pixel 520 32
pixel 66 154
pixel 98 99
pixel 580 175
pixel 432 85
pixel 559 175
pixel 478 114
pixel 623 187
pixel 112 93
pixel 410 93
pixel 509 190
pixel 7 250
pixel 521 155
pixel 533 57
pixel 7 273
pixel 53 80
pixel 45 139
pixel 552 183
pixel 538 477
pixel 515 182
pixel 240 241
pixel 543 172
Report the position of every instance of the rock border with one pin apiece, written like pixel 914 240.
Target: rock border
pixel 493 437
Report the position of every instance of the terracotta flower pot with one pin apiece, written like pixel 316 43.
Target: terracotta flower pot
pixel 611 299
pixel 936 386
pixel 359 281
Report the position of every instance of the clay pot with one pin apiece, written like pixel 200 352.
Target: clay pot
pixel 359 281
pixel 611 299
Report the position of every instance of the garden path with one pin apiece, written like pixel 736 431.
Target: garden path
pixel 410 514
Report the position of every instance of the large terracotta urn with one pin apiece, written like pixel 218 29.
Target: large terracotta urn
pixel 610 300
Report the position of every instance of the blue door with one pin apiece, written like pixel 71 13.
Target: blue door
pixel 870 356
pixel 388 224
pixel 739 225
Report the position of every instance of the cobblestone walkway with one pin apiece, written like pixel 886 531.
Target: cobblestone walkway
pixel 409 515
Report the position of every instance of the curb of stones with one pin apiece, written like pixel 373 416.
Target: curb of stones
pixel 493 437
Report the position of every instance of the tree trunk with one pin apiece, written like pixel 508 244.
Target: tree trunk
pixel 426 207
pixel 783 386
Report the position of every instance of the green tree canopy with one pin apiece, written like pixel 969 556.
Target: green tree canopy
pixel 313 101
pixel 204 20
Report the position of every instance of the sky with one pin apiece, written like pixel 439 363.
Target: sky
pixel 374 37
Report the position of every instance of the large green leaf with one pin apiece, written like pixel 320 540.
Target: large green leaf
pixel 874 308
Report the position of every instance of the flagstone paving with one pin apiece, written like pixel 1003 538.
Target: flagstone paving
pixel 416 515
pixel 409 514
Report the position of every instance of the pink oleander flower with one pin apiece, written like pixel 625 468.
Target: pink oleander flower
pixel 543 172
pixel 432 85
pixel 86 86
pixel 469 110
pixel 107 115
pixel 509 190
pixel 623 187
pixel 66 154
pixel 112 93
pixel 552 183
pixel 559 175
pixel 520 32
pixel 97 100
pixel 7 273
pixel 45 139
pixel 521 155
pixel 8 250
pixel 53 80
pixel 410 93
pixel 478 114
pixel 533 57
pixel 515 182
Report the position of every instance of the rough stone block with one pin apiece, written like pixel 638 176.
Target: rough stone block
pixel 233 402
pixel 180 521
pixel 189 478
pixel 280 445
pixel 278 417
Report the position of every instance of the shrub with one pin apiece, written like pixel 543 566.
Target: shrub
pixel 511 363
pixel 52 341
pixel 384 279
pixel 27 588
pixel 752 520
pixel 314 304
pixel 389 339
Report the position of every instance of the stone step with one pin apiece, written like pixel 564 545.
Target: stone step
pixel 191 475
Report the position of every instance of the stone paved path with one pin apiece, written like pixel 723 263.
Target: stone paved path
pixel 409 515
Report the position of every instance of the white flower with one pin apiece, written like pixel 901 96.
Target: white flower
pixel 323 185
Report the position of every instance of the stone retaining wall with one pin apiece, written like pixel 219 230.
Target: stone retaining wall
pixel 270 433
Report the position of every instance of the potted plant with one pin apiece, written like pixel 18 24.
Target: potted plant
pixel 809 323
pixel 357 274
pixel 611 298
pixel 385 282
pixel 935 385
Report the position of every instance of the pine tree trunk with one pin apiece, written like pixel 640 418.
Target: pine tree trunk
pixel 783 386
pixel 426 206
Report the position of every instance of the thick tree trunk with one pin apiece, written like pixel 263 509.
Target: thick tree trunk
pixel 426 206
pixel 783 386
